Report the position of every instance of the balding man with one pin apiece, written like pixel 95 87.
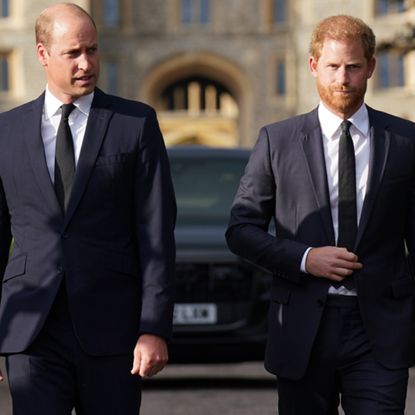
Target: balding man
pixel 86 194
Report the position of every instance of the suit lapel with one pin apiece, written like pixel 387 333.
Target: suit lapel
pixel 312 145
pixel 36 150
pixel 380 141
pixel 96 128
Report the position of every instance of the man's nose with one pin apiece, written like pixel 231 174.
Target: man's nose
pixel 342 76
pixel 83 62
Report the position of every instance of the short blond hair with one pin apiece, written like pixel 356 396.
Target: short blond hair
pixel 342 27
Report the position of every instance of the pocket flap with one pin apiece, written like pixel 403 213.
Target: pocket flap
pixel 15 267
pixel 112 159
pixel 280 294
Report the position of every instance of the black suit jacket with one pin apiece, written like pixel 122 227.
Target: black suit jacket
pixel 285 181
pixel 115 244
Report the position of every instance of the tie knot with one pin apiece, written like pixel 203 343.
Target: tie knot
pixel 66 110
pixel 345 126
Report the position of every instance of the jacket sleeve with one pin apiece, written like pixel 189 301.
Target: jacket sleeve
pixel 252 211
pixel 5 233
pixel 155 216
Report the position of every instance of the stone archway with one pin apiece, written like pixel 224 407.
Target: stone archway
pixel 187 126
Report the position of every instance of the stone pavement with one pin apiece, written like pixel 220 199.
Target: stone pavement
pixel 250 370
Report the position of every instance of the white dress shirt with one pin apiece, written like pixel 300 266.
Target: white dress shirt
pixel 51 117
pixel 331 131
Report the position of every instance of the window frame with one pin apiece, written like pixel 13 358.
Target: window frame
pixel 280 83
pixel 5 72
pixel 279 11
pixel 386 7
pixel 112 76
pixel 111 13
pixel 195 12
pixel 391 70
pixel 5 9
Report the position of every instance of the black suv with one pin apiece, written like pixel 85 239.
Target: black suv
pixel 221 300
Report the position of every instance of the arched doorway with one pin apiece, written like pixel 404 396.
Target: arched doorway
pixel 200 99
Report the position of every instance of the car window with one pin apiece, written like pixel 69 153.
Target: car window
pixel 205 188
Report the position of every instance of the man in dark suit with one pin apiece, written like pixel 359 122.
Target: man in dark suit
pixel 87 290
pixel 341 318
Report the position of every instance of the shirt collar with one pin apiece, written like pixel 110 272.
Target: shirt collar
pixel 330 122
pixel 53 104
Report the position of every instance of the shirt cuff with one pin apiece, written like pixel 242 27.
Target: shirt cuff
pixel 303 260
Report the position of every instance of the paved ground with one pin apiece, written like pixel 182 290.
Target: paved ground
pixel 234 389
pixel 237 389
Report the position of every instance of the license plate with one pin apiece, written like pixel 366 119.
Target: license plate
pixel 195 314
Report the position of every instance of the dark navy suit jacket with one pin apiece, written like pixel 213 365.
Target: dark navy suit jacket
pixel 115 244
pixel 285 181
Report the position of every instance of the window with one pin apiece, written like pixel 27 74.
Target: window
pixel 279 11
pixel 111 13
pixel 384 7
pixel 390 70
pixel 4 73
pixel 5 8
pixel 187 15
pixel 195 11
pixel 204 11
pixel 111 77
pixel 280 82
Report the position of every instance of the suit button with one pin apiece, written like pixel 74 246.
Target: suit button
pixel 320 302
pixel 60 270
pixel 65 235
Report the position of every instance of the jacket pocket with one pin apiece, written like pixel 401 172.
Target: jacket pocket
pixel 15 268
pixel 113 262
pixel 280 294
pixel 112 159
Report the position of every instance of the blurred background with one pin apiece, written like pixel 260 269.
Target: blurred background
pixel 216 70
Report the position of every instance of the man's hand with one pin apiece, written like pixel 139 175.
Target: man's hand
pixel 1 377
pixel 331 262
pixel 150 355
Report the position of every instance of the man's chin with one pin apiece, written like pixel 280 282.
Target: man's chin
pixel 346 105
pixel 84 90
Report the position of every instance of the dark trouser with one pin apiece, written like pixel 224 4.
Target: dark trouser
pixel 342 367
pixel 54 375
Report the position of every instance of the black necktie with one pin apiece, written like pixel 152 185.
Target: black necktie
pixel 347 190
pixel 64 158
pixel 347 214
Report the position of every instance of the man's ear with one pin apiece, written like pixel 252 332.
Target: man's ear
pixel 312 64
pixel 42 54
pixel 372 65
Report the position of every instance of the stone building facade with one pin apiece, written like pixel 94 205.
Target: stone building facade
pixel 216 70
